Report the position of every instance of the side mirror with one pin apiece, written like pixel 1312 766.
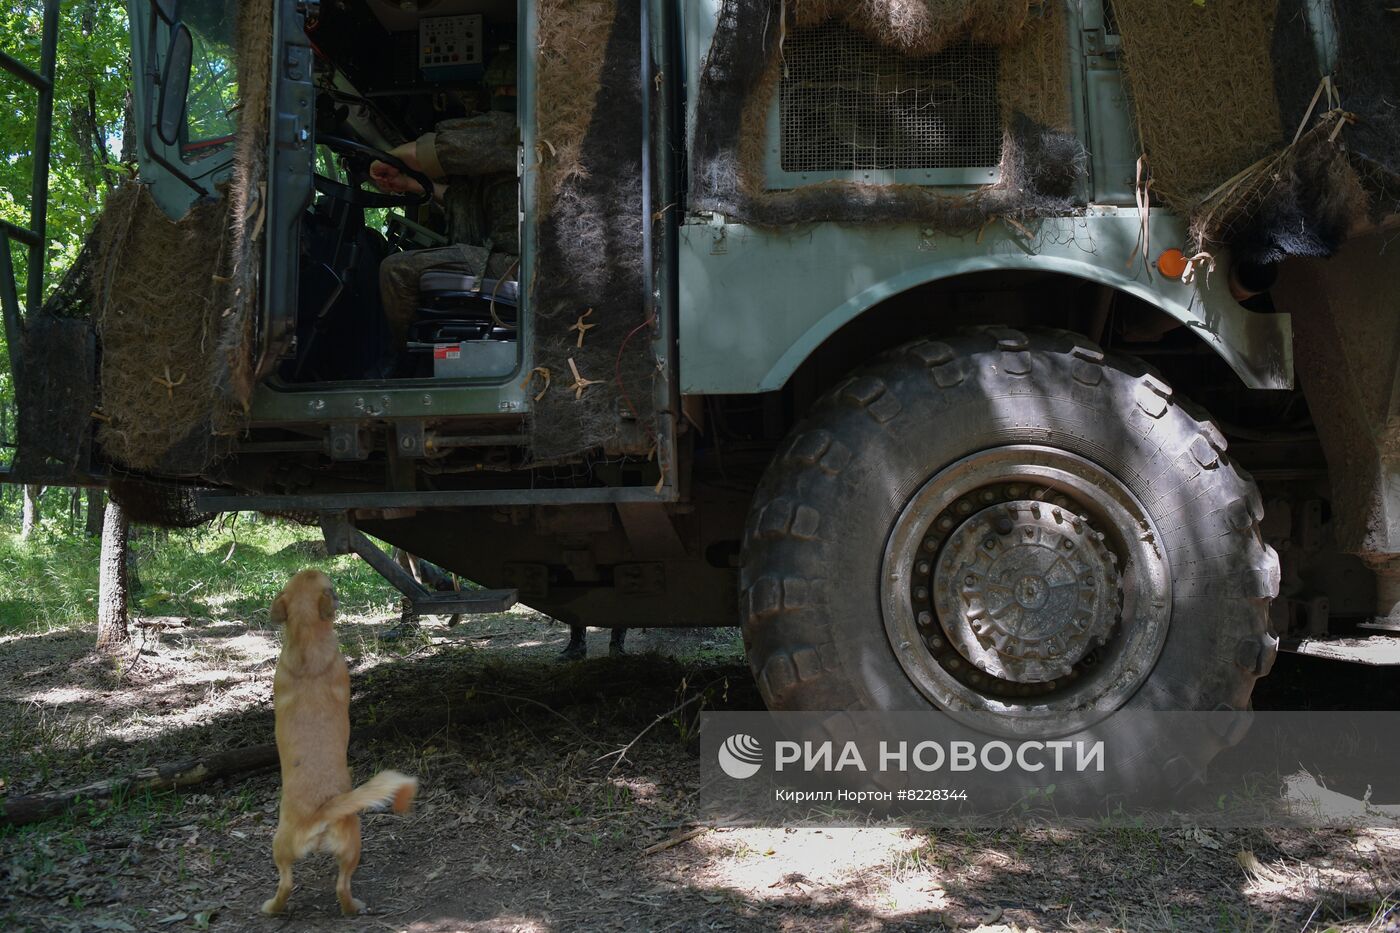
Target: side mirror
pixel 175 85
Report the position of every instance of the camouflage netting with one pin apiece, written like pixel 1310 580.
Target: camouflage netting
pixel 56 380
pixel 175 302
pixel 589 199
pixel 161 505
pixel 1242 135
pixel 161 294
pixel 1041 162
pixel 919 29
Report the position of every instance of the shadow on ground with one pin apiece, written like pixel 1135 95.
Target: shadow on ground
pixel 529 820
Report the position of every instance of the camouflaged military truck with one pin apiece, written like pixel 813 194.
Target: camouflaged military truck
pixel 868 326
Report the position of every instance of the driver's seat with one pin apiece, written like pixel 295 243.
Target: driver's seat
pixel 455 306
pixel 450 318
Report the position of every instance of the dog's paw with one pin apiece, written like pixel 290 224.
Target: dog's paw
pixel 354 908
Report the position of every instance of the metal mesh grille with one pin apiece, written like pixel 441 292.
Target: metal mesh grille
pixel 847 103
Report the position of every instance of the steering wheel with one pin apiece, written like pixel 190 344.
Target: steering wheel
pixel 361 154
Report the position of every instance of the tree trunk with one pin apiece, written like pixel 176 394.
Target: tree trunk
pixel 31 511
pixel 112 580
pixel 93 524
pixel 128 150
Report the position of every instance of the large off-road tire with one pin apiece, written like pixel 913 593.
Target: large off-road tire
pixel 1009 522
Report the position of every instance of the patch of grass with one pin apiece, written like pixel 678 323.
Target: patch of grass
pixel 47 581
pixel 230 569
pixel 47 738
pixel 233 569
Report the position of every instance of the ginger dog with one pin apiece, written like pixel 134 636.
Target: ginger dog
pixel 311 697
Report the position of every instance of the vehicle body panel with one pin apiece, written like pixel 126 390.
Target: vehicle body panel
pixel 740 333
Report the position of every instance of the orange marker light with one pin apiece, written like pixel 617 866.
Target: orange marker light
pixel 1172 263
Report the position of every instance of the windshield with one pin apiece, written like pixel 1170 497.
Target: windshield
pixel 211 105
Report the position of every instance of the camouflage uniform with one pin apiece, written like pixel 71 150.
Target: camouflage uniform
pixel 482 144
pixel 477 156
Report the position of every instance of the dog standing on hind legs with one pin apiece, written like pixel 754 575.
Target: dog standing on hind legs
pixel 311 697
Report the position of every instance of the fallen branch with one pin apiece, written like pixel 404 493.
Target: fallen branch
pixel 238 762
pixel 674 841
pixel 19 811
pixel 621 753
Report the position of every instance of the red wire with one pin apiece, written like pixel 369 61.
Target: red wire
pixel 617 373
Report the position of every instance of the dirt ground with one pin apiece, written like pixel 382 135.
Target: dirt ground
pixel 528 821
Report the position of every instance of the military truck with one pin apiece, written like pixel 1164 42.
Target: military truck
pixel 869 327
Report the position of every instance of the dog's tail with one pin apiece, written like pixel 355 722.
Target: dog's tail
pixel 387 788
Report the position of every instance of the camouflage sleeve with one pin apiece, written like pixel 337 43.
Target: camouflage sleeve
pixel 484 144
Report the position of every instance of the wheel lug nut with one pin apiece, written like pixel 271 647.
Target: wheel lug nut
pixel 930 544
pixel 921 592
pixel 945 523
pixel 969 580
pixel 922 567
pixel 964 507
pixel 925 618
pixel 988 496
pixel 1013 490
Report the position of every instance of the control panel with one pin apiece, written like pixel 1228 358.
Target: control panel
pixel 451 48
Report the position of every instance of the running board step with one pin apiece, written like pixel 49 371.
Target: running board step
pixel 466 602
pixel 344 538
pixel 1373 651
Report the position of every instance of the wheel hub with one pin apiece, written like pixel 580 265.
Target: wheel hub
pixel 1026 582
pixel 1024 590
